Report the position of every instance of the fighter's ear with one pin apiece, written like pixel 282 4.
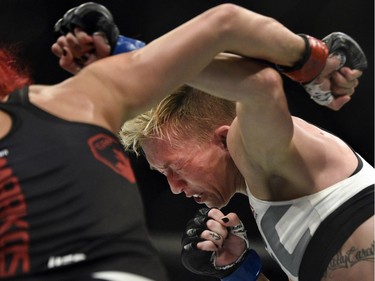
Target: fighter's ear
pixel 220 135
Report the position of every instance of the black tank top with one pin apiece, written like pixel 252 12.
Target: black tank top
pixel 69 203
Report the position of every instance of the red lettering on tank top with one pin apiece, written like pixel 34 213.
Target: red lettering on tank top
pixel 106 149
pixel 14 234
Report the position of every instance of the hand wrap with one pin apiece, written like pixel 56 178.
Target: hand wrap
pixel 312 63
pixel 348 52
pixel 95 18
pixel 203 262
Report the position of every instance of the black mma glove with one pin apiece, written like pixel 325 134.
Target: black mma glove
pixel 92 18
pixel 202 262
pixel 348 52
pixel 342 44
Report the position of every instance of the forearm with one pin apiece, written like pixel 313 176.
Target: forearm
pixel 182 53
pixel 257 36
pixel 230 28
pixel 227 72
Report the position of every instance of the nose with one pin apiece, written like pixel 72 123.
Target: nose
pixel 176 183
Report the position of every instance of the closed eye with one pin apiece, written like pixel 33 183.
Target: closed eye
pixel 162 171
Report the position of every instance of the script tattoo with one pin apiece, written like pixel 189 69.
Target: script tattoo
pixel 350 258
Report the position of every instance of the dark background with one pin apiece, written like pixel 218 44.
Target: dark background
pixel 28 25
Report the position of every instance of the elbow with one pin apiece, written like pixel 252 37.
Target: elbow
pixel 225 11
pixel 266 80
pixel 273 88
pixel 270 80
pixel 266 85
pixel 230 17
pixel 223 16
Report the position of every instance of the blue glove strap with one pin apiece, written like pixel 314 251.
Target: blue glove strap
pixel 126 44
pixel 249 270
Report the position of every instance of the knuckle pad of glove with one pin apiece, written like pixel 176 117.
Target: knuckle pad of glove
pixel 191 235
pixel 201 217
pixel 195 227
pixel 341 42
pixel 91 17
pixel 63 25
pixel 199 262
pixel 110 30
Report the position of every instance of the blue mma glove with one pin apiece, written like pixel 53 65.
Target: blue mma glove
pixel 126 44
pixel 249 269
pixel 92 17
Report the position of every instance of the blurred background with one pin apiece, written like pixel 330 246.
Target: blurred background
pixel 28 26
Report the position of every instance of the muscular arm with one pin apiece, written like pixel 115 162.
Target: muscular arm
pixel 269 146
pixel 136 81
pixel 263 126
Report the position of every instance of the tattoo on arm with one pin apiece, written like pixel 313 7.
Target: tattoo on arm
pixel 350 258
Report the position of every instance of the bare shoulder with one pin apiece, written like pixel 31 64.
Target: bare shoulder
pixel 70 100
pixel 318 141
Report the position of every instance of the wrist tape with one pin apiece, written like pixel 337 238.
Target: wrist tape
pixel 312 63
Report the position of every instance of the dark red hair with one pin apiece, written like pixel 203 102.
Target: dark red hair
pixel 11 75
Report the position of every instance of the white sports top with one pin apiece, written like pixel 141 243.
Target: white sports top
pixel 287 226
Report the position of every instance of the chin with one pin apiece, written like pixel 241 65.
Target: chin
pixel 215 205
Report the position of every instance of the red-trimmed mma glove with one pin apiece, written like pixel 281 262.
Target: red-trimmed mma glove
pixel 246 268
pixel 93 18
pixel 337 44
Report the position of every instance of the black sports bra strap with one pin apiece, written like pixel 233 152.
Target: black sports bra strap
pixel 19 96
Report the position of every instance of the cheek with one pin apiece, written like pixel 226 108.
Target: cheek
pixel 199 176
pixel 190 176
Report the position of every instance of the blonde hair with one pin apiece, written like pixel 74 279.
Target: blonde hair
pixel 186 114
